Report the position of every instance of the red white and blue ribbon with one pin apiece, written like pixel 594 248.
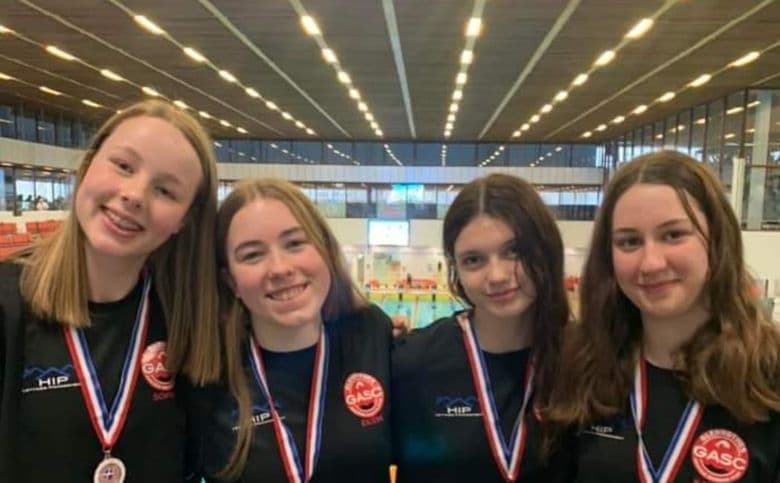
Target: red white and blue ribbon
pixel 681 441
pixel 109 422
pixel 508 457
pixel 296 473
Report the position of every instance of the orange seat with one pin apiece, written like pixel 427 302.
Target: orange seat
pixel 32 227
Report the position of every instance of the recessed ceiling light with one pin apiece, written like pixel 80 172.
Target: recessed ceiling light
pixel 640 28
pixel 579 80
pixel 329 56
pixel 111 75
pixel 310 25
pixel 666 97
pixel 546 108
pixel 639 109
pixel 619 119
pixel 746 59
pixel 150 92
pixel 89 103
pixel 701 80
pixel 194 54
pixel 344 77
pixel 57 52
pixel 180 104
pixel 227 75
pixel 461 78
pixel 148 25
pixel 251 92
pixel 560 96
pixel 466 57
pixel 474 27
pixel 605 58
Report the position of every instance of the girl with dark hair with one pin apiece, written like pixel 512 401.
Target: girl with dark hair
pixel 676 368
pixel 307 358
pixel 466 388
pixel 97 322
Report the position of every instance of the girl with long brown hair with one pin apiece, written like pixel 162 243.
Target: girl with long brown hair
pixel 307 358
pixel 100 320
pixel 466 388
pixel 674 369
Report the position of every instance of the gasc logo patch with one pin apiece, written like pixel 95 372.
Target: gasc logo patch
pixel 153 367
pixel 720 456
pixel 363 395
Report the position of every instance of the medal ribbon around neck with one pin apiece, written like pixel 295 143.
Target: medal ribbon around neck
pixel 108 423
pixel 284 437
pixel 681 441
pixel 507 458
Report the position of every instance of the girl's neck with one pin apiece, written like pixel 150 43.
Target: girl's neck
pixel 111 278
pixel 662 339
pixel 499 336
pixel 279 338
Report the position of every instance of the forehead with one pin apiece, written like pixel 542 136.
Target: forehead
pixel 645 204
pixel 263 219
pixel 483 232
pixel 154 140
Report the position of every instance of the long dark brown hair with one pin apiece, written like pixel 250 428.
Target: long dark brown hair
pixel 515 202
pixel 732 361
pixel 342 299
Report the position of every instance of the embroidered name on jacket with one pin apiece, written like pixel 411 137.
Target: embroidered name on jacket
pixel 35 379
pixel 456 407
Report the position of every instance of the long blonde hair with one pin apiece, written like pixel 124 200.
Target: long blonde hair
pixel 342 299
pixel 54 279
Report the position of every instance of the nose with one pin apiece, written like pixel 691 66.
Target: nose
pixel 653 258
pixel 278 264
pixel 132 193
pixel 500 271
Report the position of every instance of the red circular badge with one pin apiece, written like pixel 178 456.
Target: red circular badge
pixel 363 395
pixel 720 456
pixel 153 367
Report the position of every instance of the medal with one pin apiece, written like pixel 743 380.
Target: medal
pixel 507 457
pixel 681 440
pixel 110 470
pixel 109 422
pixel 297 473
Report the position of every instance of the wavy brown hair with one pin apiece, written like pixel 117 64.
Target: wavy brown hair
pixel 54 276
pixel 514 201
pixel 733 360
pixel 342 299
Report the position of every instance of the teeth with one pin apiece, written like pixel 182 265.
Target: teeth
pixel 122 222
pixel 288 294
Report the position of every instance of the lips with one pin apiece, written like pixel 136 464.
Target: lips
pixel 121 222
pixel 503 294
pixel 287 293
pixel 656 287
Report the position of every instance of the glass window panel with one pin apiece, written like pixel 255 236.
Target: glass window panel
pixel 370 154
pixel 732 135
pixel 430 154
pixel 714 133
pixel 390 202
pixel 25 189
pixel 357 194
pixel 7 194
pixel 337 153
pixel 278 152
pixel 404 152
pixel 26 128
pixel 64 132
pixel 523 154
pixel 7 121
pixel 683 129
pixel 584 155
pixel 698 129
pixel 486 151
pixel 310 151
pixel 46 128
pixel 670 135
pixel 658 135
pixel 555 154
pixel 461 154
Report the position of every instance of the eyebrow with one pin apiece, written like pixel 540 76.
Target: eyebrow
pixel 510 242
pixel 662 225
pixel 257 243
pixel 164 177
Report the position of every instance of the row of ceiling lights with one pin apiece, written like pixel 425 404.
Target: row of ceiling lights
pixel 311 27
pixel 224 74
pixel 109 74
pixel 669 95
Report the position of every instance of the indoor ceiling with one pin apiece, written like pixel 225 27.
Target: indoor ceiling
pixel 402 58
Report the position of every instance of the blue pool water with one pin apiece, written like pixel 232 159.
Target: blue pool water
pixel 426 312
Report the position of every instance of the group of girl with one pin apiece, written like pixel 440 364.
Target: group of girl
pixel 155 338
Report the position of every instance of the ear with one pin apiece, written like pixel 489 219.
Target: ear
pixel 229 280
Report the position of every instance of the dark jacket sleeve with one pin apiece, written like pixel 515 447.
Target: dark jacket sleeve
pixel 11 361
